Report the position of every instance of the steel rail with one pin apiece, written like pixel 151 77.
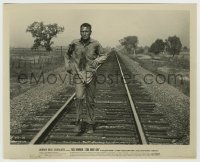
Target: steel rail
pixel 45 129
pixel 137 120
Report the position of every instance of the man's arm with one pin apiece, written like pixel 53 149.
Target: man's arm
pixel 102 55
pixel 67 58
pixel 70 50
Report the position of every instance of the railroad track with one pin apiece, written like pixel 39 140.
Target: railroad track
pixel 125 114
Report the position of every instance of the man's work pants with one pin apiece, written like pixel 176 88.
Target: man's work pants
pixel 85 92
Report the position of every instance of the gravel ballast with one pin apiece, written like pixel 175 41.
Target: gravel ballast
pixel 28 103
pixel 169 100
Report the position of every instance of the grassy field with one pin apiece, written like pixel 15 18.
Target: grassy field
pixel 165 65
pixel 24 63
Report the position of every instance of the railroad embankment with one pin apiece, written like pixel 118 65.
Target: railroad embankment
pixel 27 104
pixel 169 100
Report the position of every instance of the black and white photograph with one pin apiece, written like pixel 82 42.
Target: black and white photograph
pixel 100 80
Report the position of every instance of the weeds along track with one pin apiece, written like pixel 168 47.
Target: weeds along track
pixel 124 114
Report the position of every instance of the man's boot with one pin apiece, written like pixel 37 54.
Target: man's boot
pixel 90 129
pixel 77 128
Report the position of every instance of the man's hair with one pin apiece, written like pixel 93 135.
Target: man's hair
pixel 86 25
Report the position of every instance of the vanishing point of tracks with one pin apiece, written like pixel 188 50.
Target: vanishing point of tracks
pixel 125 114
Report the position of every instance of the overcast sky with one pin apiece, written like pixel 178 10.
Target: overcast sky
pixel 108 26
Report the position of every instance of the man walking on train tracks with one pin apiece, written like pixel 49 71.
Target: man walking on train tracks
pixel 82 59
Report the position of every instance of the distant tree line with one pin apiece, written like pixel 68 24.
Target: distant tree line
pixel 172 45
pixel 43 35
pixel 130 43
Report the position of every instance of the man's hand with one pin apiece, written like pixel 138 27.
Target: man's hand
pixel 95 63
pixel 101 59
pixel 69 71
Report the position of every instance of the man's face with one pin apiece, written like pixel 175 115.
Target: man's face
pixel 85 33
